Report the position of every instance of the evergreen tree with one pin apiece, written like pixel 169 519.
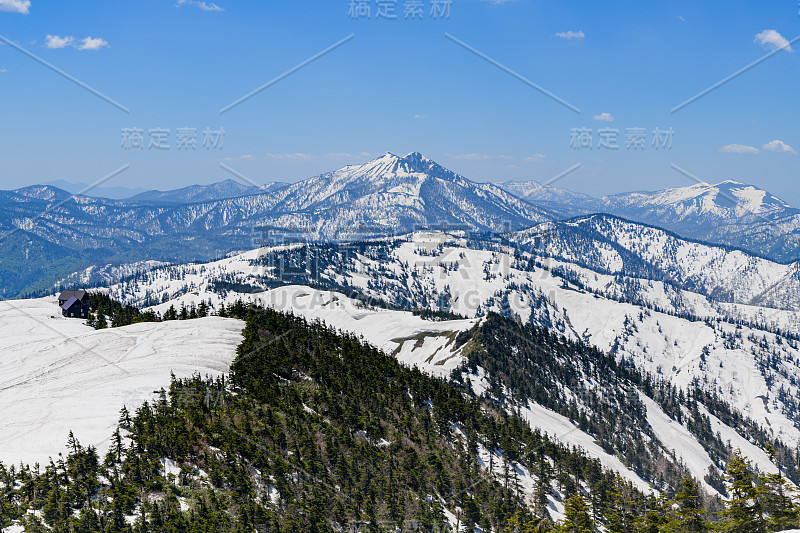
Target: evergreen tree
pixel 779 506
pixel 171 314
pixel 686 512
pixel 576 516
pixel 621 509
pixel 744 512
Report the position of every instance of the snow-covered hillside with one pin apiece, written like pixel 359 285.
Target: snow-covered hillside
pixel 56 232
pixel 616 246
pixel 683 336
pixel 677 335
pixel 58 374
pixel 728 213
pixel 427 345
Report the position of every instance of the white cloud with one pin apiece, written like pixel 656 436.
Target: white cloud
pixel 244 157
pixel 470 157
pixel 535 157
pixel 571 34
pixel 205 6
pixel 738 149
pixel 54 41
pixel 774 40
pixel 604 117
pixel 3 70
pixel 296 156
pixel 92 43
pixel 420 117
pixel 778 146
pixel 679 17
pixel 87 43
pixel 15 6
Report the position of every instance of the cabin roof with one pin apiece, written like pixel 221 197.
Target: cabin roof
pixel 67 294
pixel 69 303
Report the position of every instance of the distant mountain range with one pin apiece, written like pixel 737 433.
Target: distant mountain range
pixel 101 191
pixel 194 193
pixel 729 213
pixel 204 193
pixel 47 233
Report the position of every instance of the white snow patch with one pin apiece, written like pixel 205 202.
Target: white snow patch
pixel 676 437
pixel 58 374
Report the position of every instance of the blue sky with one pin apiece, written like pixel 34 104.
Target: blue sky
pixel 401 85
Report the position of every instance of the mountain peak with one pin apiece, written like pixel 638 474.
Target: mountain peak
pixel 412 163
pixel 728 184
pixel 416 156
pixel 43 192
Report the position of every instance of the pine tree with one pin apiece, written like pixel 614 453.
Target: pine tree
pixel 171 314
pixel 654 519
pixel 576 516
pixel 686 514
pixel 543 489
pixel 620 512
pixel 744 512
pixel 779 506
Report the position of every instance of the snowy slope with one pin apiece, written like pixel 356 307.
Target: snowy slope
pixel 749 366
pixel 389 195
pixel 421 343
pixel 204 193
pixel 680 441
pixel 610 244
pixel 58 375
pixel 561 429
pixel 728 213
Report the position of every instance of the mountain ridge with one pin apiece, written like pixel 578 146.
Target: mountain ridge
pixel 729 212
pixel 388 195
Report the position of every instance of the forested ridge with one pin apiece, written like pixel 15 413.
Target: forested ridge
pixel 314 430
pixel 601 394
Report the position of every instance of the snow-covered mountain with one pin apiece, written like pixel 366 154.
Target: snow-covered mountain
pixel 204 193
pixel 725 200
pixel 390 195
pixel 609 244
pixel 729 213
pixel 562 202
pixel 743 356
